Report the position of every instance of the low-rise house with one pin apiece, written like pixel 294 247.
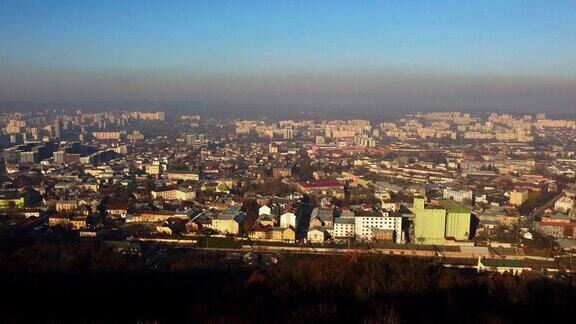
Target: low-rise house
pixel 75 222
pixel 228 222
pixel 288 219
pixel 164 230
pixel 217 205
pixel 322 217
pixel 91 201
pixel 283 234
pixel 315 222
pixel 225 185
pixel 78 222
pixel 260 232
pixel 83 210
pixel 27 213
pixel 204 219
pixel 265 220
pixel 316 235
pixel 154 216
pixel 281 172
pixel 564 204
pixel 191 226
pixel 117 210
pixel 91 186
pixel 264 210
pixel 61 220
pixel 88 233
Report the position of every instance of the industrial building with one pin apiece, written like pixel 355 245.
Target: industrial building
pixel 434 223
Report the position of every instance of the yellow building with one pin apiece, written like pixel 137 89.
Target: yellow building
pixel 6 202
pixel 226 226
pixel 517 198
pixel 58 220
pixel 260 233
pixel 316 235
pixel 66 205
pixel 77 222
pixel 182 194
pixel 153 169
pixel 283 234
pixel 315 222
pixel 15 126
pixel 265 220
pixel 181 175
pixel 228 222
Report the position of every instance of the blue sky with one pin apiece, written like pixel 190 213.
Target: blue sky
pixel 315 50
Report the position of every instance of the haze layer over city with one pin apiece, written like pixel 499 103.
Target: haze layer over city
pixel 288 161
pixel 506 55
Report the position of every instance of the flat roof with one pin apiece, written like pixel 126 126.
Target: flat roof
pixel 453 207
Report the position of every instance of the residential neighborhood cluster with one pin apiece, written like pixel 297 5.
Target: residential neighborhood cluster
pixel 491 187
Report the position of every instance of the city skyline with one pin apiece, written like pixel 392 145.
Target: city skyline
pixel 513 55
pixel 289 161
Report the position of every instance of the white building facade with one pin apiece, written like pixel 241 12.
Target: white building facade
pixel 365 223
pixel 344 228
pixel 287 220
pixel 457 195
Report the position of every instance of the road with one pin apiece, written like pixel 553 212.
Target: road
pixel 528 222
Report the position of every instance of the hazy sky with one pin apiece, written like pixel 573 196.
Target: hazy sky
pixel 506 54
